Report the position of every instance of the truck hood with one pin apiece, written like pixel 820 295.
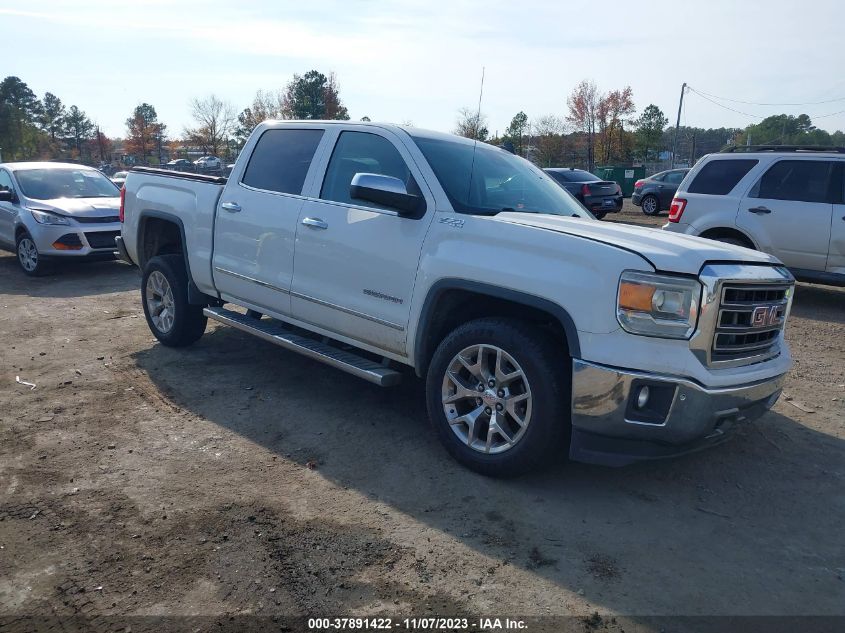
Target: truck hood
pixel 79 207
pixel 670 252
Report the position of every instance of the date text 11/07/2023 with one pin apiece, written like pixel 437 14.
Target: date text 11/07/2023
pixel 416 624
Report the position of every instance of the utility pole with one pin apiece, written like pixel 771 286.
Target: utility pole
pixel 692 153
pixel 678 123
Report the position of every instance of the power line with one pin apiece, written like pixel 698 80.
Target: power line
pixel 756 116
pixel 824 116
pixel 701 92
pixel 721 105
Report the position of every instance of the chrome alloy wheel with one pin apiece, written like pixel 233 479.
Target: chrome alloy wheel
pixel 486 399
pixel 28 254
pixel 650 205
pixel 160 302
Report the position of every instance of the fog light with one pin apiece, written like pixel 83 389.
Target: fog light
pixel 642 397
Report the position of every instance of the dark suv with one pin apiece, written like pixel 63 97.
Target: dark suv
pixel 599 196
pixel 654 194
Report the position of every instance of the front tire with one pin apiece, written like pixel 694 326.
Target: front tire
pixel 497 393
pixel 164 295
pixel 29 259
pixel 650 205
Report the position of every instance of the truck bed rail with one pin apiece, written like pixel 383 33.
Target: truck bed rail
pixel 214 180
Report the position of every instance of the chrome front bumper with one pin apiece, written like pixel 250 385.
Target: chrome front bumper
pixel 608 427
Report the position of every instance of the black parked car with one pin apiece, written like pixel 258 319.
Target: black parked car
pixel 180 164
pixel 599 196
pixel 654 194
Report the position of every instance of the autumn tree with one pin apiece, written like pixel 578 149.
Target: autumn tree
pixel 515 131
pixel 614 109
pixel 101 146
pixel 313 96
pixel 216 119
pixel 471 124
pixel 145 133
pixel 583 106
pixel 649 130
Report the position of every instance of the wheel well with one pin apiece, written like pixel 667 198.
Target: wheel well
pixel 715 234
pixel 159 237
pixel 457 306
pixel 19 231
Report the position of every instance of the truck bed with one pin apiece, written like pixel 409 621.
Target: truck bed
pixel 188 200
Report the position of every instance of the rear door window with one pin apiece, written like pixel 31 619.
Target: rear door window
pixel 799 180
pixel 720 176
pixel 280 160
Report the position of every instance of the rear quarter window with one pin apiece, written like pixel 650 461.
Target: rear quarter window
pixel 720 176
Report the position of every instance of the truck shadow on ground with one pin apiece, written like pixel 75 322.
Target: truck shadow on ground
pixel 68 279
pixel 760 514
pixel 819 303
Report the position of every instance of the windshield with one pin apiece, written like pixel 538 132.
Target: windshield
pixel 494 180
pixel 577 175
pixel 48 184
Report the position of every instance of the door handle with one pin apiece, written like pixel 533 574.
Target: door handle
pixel 760 210
pixel 315 223
pixel 231 207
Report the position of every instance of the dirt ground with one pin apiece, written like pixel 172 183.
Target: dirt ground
pixel 236 478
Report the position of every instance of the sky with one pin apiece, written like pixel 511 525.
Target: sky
pixel 421 61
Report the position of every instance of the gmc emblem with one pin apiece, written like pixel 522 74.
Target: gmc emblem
pixel 764 316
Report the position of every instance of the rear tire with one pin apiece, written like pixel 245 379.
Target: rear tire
pixel 164 295
pixel 650 205
pixel 529 403
pixel 599 214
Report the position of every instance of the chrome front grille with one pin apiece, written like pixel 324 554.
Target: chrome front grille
pixel 749 321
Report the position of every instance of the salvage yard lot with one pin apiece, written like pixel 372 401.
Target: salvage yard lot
pixel 234 477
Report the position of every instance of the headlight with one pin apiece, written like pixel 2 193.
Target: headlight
pixel 657 305
pixel 45 217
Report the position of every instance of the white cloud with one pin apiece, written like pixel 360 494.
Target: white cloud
pixel 408 59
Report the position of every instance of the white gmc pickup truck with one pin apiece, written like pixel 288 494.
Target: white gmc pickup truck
pixel 539 330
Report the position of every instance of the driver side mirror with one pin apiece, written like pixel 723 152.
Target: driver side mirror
pixel 7 195
pixel 388 191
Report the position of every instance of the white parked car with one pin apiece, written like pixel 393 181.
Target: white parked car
pixel 540 331
pixel 119 178
pixel 208 162
pixel 786 201
pixel 54 211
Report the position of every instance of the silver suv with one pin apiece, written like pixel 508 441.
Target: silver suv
pixel 786 201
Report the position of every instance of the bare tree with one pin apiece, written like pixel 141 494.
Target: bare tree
pixel 471 124
pixel 583 114
pixel 549 140
pixel 216 119
pixel 267 104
